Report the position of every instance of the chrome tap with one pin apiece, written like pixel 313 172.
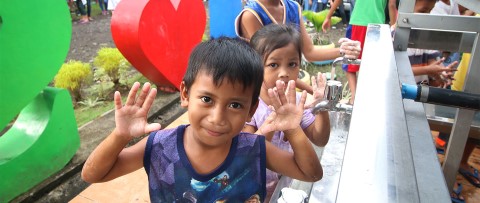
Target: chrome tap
pixel 333 91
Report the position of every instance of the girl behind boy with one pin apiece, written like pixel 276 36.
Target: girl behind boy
pixel 280 47
pixel 260 13
pixel 210 159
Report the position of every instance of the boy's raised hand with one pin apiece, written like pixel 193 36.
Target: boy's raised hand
pixel 287 113
pixel 131 118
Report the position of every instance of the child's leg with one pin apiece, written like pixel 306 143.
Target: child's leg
pixel 89 8
pixel 105 5
pixel 341 10
pixel 101 6
pixel 357 33
pixel 81 9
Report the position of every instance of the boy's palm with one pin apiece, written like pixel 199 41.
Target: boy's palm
pixel 287 113
pixel 131 118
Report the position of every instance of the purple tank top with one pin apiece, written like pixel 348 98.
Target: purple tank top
pixel 172 178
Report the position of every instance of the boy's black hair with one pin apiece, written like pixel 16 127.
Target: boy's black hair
pixel 226 58
pixel 275 36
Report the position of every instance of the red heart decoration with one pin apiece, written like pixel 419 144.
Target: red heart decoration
pixel 157 36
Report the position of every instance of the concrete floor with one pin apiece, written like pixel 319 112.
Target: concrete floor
pixel 469 192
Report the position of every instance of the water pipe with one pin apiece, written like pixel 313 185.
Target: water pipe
pixel 444 97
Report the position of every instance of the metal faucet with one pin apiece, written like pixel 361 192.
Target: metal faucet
pixel 333 90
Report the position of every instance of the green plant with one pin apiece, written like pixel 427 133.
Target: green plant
pixel 112 63
pixel 90 103
pixel 346 93
pixel 100 78
pixel 319 40
pixel 72 76
pixel 317 18
pixel 205 38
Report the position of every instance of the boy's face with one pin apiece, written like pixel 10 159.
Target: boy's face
pixel 424 6
pixel 216 113
pixel 282 64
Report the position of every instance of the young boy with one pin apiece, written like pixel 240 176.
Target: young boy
pixel 210 159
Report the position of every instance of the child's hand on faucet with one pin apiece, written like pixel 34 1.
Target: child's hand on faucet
pixel 349 49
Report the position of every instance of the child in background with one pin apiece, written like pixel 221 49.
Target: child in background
pixel 280 48
pixel 428 69
pixel 259 13
pixel 84 13
pixel 210 159
pixel 447 7
pixel 365 12
pixel 427 66
pixel 434 72
pixel 112 4
pixel 103 6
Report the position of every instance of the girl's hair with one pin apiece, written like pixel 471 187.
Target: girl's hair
pixel 226 58
pixel 275 36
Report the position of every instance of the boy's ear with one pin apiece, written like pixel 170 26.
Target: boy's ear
pixel 253 108
pixel 183 95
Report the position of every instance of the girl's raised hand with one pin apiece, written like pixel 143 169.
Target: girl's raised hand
pixel 131 118
pixel 287 113
pixel 318 85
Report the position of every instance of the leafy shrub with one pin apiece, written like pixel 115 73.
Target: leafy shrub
pixel 72 76
pixel 205 37
pixel 112 63
pixel 90 103
pixel 317 18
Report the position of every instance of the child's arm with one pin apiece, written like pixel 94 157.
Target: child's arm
pixel 319 131
pixel 326 23
pixel 110 159
pixel 249 24
pixel 392 12
pixel 441 76
pixel 303 164
pixel 251 129
pixel 433 68
pixel 348 48
pixel 304 86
